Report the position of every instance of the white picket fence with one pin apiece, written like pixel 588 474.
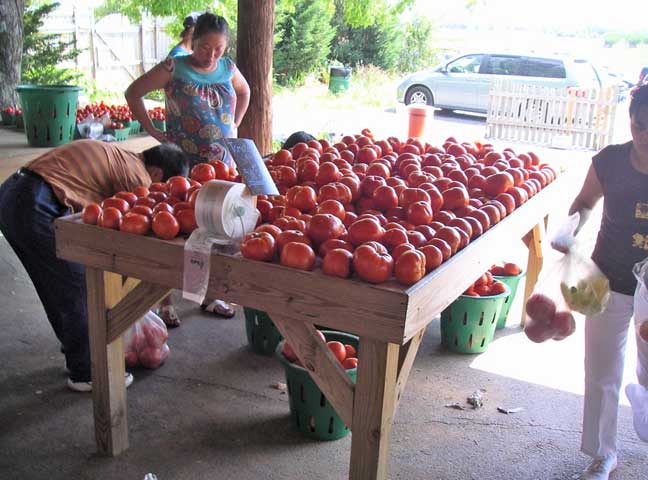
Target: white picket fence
pixel 552 117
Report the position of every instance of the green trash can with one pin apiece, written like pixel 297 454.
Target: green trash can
pixel 468 324
pixel 49 113
pixel 339 79
pixel 310 412
pixel 512 282
pixel 262 335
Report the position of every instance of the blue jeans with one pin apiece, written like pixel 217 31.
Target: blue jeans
pixel 28 208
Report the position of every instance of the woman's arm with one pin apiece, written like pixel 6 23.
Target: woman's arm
pixel 242 90
pixel 591 192
pixel 155 79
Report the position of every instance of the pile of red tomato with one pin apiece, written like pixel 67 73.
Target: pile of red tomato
pixel 166 208
pixel 346 354
pixel 12 111
pixel 157 113
pixel 117 113
pixel 386 208
pixel 487 286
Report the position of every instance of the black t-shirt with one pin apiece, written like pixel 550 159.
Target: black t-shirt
pixel 623 237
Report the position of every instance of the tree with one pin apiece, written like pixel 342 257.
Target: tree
pixel 11 45
pixel 303 40
pixel 43 53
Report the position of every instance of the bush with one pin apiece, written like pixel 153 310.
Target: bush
pixel 418 52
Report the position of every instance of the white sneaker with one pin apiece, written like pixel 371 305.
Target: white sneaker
pixel 87 386
pixel 600 468
pixel 638 396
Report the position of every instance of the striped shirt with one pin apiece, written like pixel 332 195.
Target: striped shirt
pixel 89 171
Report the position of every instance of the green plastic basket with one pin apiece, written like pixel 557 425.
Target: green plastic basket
pixel 49 113
pixel 512 282
pixel 8 120
pixel 134 127
pixel 160 124
pixel 20 123
pixel 468 324
pixel 310 412
pixel 120 134
pixel 262 335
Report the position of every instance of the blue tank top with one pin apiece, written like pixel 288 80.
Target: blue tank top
pixel 200 109
pixel 178 51
pixel 623 237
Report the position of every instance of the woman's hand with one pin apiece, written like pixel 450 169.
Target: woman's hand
pixel 159 135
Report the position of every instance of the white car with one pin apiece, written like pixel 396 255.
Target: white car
pixel 464 82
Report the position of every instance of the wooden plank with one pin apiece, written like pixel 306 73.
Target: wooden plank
pixel 373 409
pixel 406 358
pixel 108 388
pixel 131 308
pixel 324 368
pixel 379 310
pixel 534 264
pixel 128 285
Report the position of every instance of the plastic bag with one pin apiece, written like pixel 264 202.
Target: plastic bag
pixel 583 286
pixel 563 240
pixel 640 271
pixel 90 128
pixel 145 343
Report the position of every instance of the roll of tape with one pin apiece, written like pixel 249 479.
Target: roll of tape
pixel 225 212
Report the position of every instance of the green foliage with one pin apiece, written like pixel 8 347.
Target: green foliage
pixel 302 39
pixel 418 52
pixel 379 44
pixel 611 39
pixel 176 9
pixel 43 53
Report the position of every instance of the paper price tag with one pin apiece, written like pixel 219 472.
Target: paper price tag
pixel 250 164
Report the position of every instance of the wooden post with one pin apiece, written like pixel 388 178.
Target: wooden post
pixel 254 60
pixel 373 409
pixel 533 240
pixel 108 387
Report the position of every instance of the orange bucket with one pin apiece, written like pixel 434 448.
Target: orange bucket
pixel 418 118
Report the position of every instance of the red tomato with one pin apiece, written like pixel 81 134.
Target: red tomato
pixel 221 170
pixel 455 198
pixel 118 203
pixel 372 262
pixel 337 263
pixel 433 257
pixel 259 246
pixel 338 350
pixel 271 229
pixel 159 187
pixel 160 207
pixel 365 230
pixel 335 191
pixel 497 183
pixel 332 207
pixel 110 217
pixel 158 196
pixel 302 198
pixel 165 225
pixel 419 213
pixel 141 192
pixel 142 210
pixel 370 184
pixel 130 197
pixel 135 223
pixel 511 269
pixel 394 237
pixel 91 214
pixel 411 195
pixel 288 236
pixel 493 213
pixel 450 236
pixel 416 238
pixel 297 255
pixel 332 244
pixel 328 172
pixel 203 172
pixel 187 220
pixel 146 202
pixel 324 226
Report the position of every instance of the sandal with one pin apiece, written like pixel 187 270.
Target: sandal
pixel 219 307
pixel 169 316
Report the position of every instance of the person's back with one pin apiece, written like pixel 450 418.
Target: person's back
pixel 87 171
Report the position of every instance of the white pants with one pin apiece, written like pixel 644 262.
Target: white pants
pixel 605 342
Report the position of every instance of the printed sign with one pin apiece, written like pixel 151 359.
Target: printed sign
pixel 250 164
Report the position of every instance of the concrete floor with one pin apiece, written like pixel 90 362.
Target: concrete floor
pixel 211 413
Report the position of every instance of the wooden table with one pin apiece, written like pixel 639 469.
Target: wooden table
pixel 128 274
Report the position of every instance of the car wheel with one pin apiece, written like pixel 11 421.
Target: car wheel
pixel 419 95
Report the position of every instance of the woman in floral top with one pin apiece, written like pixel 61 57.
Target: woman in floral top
pixel 206 99
pixel 206 95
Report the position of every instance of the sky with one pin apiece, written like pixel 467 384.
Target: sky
pixel 620 14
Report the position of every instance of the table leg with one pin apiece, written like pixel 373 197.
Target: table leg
pixel 533 240
pixel 108 388
pixel 373 409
